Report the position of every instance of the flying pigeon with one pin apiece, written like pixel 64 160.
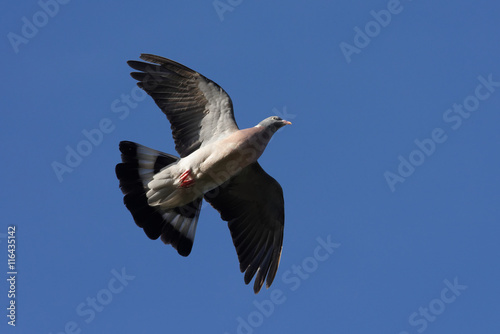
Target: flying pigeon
pixel 218 162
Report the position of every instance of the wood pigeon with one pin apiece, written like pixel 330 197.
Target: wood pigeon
pixel 218 162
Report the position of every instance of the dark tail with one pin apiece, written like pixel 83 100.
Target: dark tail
pixel 175 226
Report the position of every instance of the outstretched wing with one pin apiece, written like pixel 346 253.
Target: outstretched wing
pixel 252 204
pixel 198 109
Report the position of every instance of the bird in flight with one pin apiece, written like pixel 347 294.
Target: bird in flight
pixel 218 162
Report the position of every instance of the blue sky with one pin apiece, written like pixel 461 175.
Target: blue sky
pixel 389 171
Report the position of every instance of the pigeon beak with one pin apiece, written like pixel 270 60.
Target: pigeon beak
pixel 287 122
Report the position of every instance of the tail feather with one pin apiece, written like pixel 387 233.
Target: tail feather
pixel 175 226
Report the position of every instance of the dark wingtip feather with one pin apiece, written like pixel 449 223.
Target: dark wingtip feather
pixel 153 58
pixel 136 65
pixel 139 76
pixel 263 271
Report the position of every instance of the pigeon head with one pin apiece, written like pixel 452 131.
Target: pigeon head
pixel 273 123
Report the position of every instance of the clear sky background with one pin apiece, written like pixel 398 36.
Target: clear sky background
pixel 392 160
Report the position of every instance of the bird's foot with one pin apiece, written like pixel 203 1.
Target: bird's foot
pixel 186 179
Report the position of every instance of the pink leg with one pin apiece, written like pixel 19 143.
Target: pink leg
pixel 186 180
